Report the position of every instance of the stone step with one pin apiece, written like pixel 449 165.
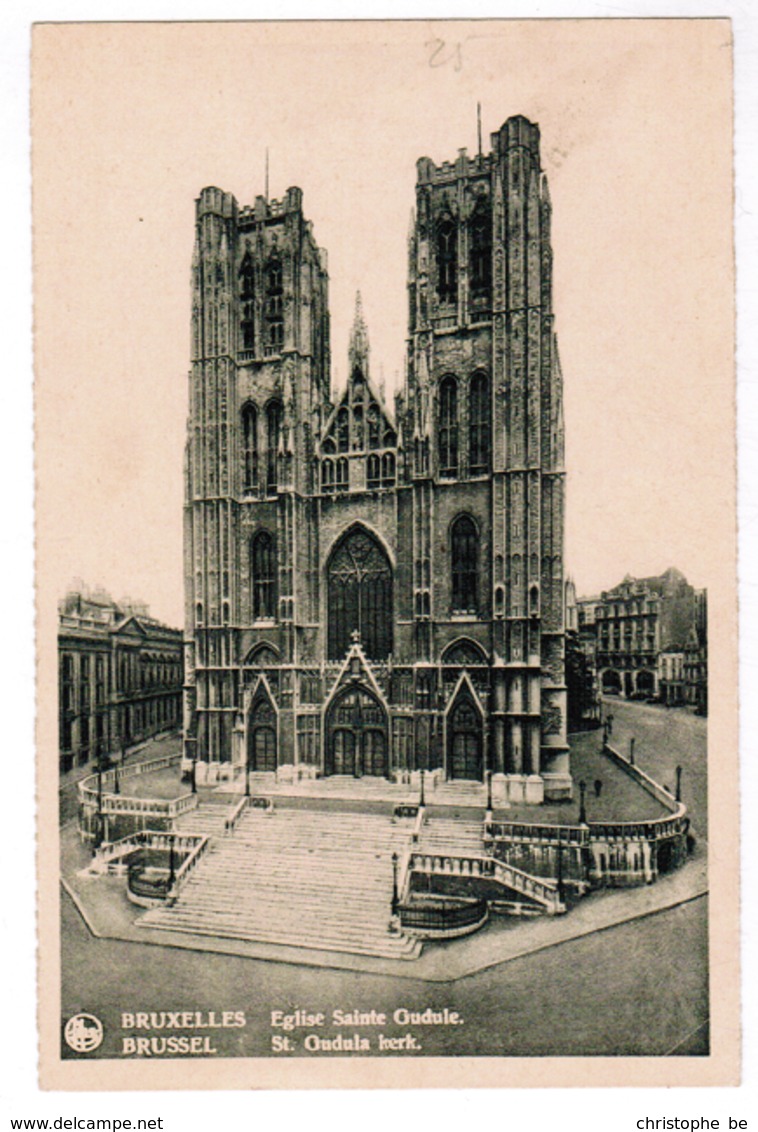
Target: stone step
pixel 307 878
pixel 389 949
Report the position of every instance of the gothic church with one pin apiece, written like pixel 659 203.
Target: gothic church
pixel 372 590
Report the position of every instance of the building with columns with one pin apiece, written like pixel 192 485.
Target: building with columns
pixel 120 676
pixel 376 589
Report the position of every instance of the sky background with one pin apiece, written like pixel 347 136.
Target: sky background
pixel 131 121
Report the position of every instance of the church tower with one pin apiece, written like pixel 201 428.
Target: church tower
pixel 259 389
pixel 483 430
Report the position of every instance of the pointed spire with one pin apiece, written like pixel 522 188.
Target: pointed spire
pixel 358 350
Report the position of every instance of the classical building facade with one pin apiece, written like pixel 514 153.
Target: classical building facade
pixel 375 590
pixel 641 629
pixel 120 674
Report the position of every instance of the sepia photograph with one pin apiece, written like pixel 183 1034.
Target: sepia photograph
pixel 386 583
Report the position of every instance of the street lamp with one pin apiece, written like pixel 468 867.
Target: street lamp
pixel 559 873
pixel 98 840
pixel 193 775
pixel 678 784
pixel 489 789
pixel 582 807
pixel 631 750
pixel 421 800
pixel 171 862
pixel 247 779
pixel 395 898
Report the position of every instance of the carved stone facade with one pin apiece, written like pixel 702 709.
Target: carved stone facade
pixel 371 591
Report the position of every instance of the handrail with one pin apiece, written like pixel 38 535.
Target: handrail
pixel 188 865
pixel 146 839
pixel 447 864
pixel 649 828
pixel 230 822
pixel 560 834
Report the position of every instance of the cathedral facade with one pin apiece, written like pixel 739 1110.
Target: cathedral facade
pixel 375 589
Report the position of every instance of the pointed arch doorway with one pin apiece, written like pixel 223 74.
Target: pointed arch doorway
pixel 357 734
pixel 261 735
pixel 465 740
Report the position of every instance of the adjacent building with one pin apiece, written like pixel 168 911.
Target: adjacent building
pixel 374 589
pixel 641 631
pixel 120 675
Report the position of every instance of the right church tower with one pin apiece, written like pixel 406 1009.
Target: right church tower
pixel 482 430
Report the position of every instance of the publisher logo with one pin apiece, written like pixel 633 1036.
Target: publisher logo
pixel 83 1033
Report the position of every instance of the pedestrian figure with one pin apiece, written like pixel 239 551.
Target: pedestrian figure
pixel 598 786
pixel 610 724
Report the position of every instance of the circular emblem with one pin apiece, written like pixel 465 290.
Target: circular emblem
pixel 83 1033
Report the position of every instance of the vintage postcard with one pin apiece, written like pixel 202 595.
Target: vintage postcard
pixel 387 680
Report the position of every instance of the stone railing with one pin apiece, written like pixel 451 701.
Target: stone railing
pixel 489 868
pixel 539 834
pixel 148 883
pixel 232 819
pixel 644 780
pixel 99 803
pixel 114 851
pixel 88 787
pixel 189 865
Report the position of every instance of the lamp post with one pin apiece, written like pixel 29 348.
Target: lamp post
pixel 395 899
pixel 171 862
pixel 582 807
pixel 247 778
pixel 678 784
pixel 98 840
pixel 422 800
pixel 489 789
pixel 559 873
pixel 631 750
pixel 193 775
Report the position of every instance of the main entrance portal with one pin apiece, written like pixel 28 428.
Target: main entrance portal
pixel 356 735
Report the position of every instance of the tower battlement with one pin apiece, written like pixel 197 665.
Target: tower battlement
pixel 515 133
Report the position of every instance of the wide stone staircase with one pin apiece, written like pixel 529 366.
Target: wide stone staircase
pixel 451 837
pixel 302 877
pixel 458 792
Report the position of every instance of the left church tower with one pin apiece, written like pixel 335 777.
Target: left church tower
pixel 258 395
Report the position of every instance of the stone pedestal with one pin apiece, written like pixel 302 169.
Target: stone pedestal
pixel 500 791
pixel 557 786
pixel 534 790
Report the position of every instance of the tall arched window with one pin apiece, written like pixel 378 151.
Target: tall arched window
pixel 481 251
pixel 249 447
pixel 359 583
pixel 274 304
pixel 447 261
pixel 373 471
pixel 263 576
pixel 388 469
pixel 448 428
pixel 273 429
pixel 247 300
pixel 327 476
pixel 342 480
pixel 343 430
pixel 465 565
pixel 479 424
